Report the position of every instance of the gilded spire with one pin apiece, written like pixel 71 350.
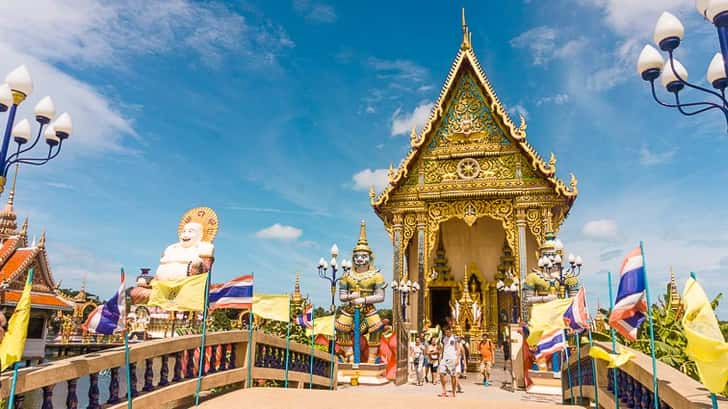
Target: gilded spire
pixel 8 219
pixel 42 241
pixel 466 34
pixel 362 244
pixel 296 297
pixel 24 229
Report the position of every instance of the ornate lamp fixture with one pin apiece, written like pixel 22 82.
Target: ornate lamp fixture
pixel 323 269
pixel 510 284
pixel 404 288
pixel 668 34
pixel 552 265
pixel 18 85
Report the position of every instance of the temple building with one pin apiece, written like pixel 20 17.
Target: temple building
pixel 470 206
pixel 17 256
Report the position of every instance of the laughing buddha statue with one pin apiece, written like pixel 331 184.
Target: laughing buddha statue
pixel 361 288
pixel 193 254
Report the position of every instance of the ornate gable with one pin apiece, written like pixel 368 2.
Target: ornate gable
pixel 469 148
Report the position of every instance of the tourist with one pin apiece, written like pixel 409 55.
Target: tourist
pixel 462 366
pixel 450 354
pixel 433 354
pixel 418 360
pixel 487 358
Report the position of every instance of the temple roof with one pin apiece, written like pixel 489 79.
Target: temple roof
pixel 466 63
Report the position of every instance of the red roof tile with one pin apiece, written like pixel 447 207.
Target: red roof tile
pixel 39 300
pixel 14 262
pixel 7 247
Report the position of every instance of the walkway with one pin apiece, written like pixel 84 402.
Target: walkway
pixel 474 394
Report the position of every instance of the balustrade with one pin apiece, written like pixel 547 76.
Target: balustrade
pixel 634 383
pixel 224 364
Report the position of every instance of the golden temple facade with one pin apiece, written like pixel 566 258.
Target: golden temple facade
pixel 469 206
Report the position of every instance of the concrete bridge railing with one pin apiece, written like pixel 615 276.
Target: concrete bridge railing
pixel 634 380
pixel 169 370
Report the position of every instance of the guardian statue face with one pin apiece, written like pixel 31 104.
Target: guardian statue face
pixel 191 235
pixel 361 259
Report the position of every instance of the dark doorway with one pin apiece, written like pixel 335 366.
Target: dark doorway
pixel 440 306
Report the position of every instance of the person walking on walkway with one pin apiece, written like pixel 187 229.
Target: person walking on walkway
pixel 450 354
pixel 419 360
pixel 433 353
pixel 487 358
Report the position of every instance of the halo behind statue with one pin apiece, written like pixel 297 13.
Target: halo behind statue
pixel 206 217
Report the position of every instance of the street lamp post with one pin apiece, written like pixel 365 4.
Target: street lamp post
pixel 323 269
pixel 552 265
pixel 404 288
pixel 668 34
pixel 17 87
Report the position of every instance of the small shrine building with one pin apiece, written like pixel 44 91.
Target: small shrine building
pixel 471 204
pixel 17 256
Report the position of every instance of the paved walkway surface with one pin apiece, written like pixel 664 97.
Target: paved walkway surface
pixel 475 395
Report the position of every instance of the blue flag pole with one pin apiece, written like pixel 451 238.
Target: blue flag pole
pixel 713 397
pixel 288 343
pixel 128 370
pixel 13 383
pixel 578 367
pixel 656 397
pixel 568 366
pixel 249 381
pixel 333 353
pixel 201 362
pixel 614 342
pixel 313 335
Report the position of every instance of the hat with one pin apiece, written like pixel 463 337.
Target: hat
pixel 361 244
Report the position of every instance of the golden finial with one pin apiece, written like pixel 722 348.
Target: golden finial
pixel 552 160
pixel 11 195
pixel 466 34
pixel 296 296
pixel 372 192
pixel 390 173
pixel 42 241
pixel 362 244
pixel 573 182
pixel 413 137
pixel 24 229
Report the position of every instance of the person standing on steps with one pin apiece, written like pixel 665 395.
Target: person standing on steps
pixel 450 358
pixel 487 358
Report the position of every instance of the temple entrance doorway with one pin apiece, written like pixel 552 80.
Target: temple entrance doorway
pixel 440 311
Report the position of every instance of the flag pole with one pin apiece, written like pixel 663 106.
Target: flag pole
pixel 656 397
pixel 713 397
pixel 249 381
pixel 578 367
pixel 568 367
pixel 313 335
pixel 129 403
pixel 615 386
pixel 13 383
pixel 288 343
pixel 594 372
pixel 333 353
pixel 201 362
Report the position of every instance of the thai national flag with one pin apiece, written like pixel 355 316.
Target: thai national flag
pixel 110 316
pixel 235 294
pixel 550 342
pixel 630 307
pixel 577 316
pixel 306 319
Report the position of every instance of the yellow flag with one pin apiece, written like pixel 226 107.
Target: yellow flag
pixel 11 349
pixel 546 317
pixel 613 360
pixel 272 306
pixel 322 325
pixel 706 345
pixel 184 294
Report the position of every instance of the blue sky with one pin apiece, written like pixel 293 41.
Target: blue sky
pixel 280 115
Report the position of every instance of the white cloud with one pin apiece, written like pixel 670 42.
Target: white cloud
pixel 629 16
pixel 60 185
pixel 279 232
pixel 399 69
pixel 71 265
pixel 603 229
pixel 571 48
pixel 315 12
pixel 89 33
pixel 540 41
pixel 402 123
pixel 557 99
pixel 367 178
pixel 650 158
pixel 518 109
